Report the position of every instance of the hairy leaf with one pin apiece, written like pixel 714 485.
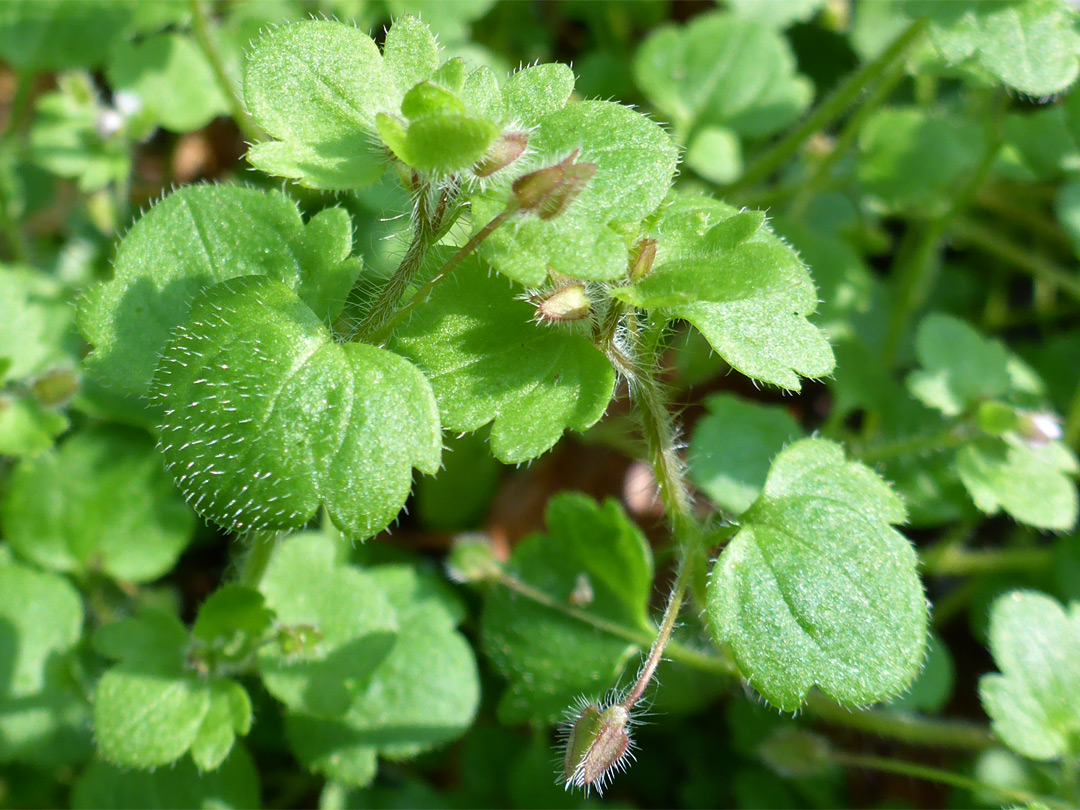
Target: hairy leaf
pixel 741 286
pixel 266 417
pixel 817 588
pixel 635 161
pixel 1034 702
pixel 1034 484
pixel 488 360
pixel 194 238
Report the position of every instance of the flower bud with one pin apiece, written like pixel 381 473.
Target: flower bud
pixel 506 149
pixel 597 744
pixel 641 259
pixel 1039 428
pixel 55 387
pixel 298 638
pixel 568 303
pixel 472 559
pixel 548 192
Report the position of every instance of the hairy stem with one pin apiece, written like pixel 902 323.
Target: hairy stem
pixel 431 216
pixel 260 549
pixel 910 728
pixel 395 318
pixel 830 108
pixel 204 35
pixel 917 770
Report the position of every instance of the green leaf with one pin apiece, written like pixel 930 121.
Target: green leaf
pixel 449 20
pixel 316 87
pixel 934 686
pixel 489 361
pixel 36 325
pixel 1029 45
pixel 959 366
pixel 46 35
pixel 593 556
pixel 744 289
pixel 817 588
pixel 148 709
pixel 27 428
pixel 532 93
pixel 734 444
pixel 911 160
pixel 410 53
pixel 172 78
pixel 332 749
pixel 458 496
pixel 423 694
pixel 234 785
pixel 635 162
pixel 716 154
pixel 1034 702
pixel 61 510
pixel 353 623
pixel 440 144
pixel 722 70
pixel 777 13
pixel 42 715
pixel 192 239
pixel 230 611
pixel 41 618
pixel 1033 484
pixel 266 417
pixel 229 714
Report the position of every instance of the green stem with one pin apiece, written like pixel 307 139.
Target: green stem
pixel 1030 217
pixel 905 727
pixel 847 137
pixel 913 445
pixel 917 770
pixel 393 319
pixel 204 35
pixel 1071 428
pixel 897 725
pixel 914 267
pixel 260 549
pixel 958 561
pixel 991 242
pixel 830 109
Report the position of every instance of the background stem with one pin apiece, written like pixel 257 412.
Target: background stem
pixel 202 28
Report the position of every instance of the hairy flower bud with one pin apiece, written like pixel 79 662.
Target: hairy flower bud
pixel 548 192
pixel 597 744
pixel 506 149
pixel 641 259
pixel 567 303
